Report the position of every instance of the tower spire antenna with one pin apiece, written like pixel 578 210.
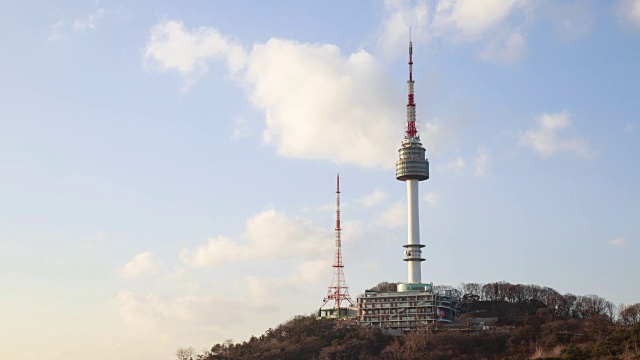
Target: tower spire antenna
pixel 338 290
pixel 411 130
pixel 338 229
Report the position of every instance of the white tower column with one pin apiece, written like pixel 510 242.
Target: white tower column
pixel 414 232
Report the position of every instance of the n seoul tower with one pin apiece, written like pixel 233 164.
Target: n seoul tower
pixel 423 306
pixel 412 167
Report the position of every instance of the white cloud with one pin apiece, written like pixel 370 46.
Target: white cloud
pixel 481 162
pixel 142 265
pixel 431 198
pixel 374 198
pixel 218 251
pixel 241 128
pixel 317 103
pixel 394 217
pixel 351 231
pixel 456 165
pixel 544 139
pixel 55 31
pixel 197 316
pixel 172 47
pixel 495 28
pixel 573 20
pixel 178 274
pixel 268 235
pixel 629 12
pixel 431 134
pixel 453 20
pixel 312 271
pixel 472 18
pixel 320 104
pixel 494 25
pixel 505 50
pixel 400 15
pixel 259 291
pixel 208 311
pixel 620 241
pixel 160 315
pixel 369 265
pixel 439 136
pixel 629 128
pixel 88 22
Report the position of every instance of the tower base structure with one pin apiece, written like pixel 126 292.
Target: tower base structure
pixel 338 313
pixel 411 307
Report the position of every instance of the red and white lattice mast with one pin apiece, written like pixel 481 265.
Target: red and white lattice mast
pixel 338 290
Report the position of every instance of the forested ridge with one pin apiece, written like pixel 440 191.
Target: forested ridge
pixel 516 322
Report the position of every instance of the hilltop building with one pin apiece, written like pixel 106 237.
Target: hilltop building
pixel 414 304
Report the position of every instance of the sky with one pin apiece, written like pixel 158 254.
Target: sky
pixel 167 169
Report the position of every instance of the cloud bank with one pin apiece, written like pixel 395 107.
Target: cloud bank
pixel 318 103
pixel 142 265
pixel 481 162
pixel 629 12
pixel 374 198
pixel 173 47
pixel 268 235
pixel 496 30
pixel 620 241
pixel 492 26
pixel 544 139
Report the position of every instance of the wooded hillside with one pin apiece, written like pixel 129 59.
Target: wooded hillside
pixel 499 321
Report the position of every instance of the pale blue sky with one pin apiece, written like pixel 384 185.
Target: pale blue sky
pixel 167 169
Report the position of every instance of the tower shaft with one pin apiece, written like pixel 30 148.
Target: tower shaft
pixel 414 248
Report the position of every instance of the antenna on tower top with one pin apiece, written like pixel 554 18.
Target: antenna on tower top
pixel 411 131
pixel 338 209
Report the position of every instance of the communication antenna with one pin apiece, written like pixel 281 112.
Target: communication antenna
pixel 338 290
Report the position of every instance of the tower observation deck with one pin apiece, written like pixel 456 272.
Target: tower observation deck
pixel 412 167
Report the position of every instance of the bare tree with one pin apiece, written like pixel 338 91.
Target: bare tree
pixel 225 348
pixel 589 305
pixel 630 314
pixel 496 291
pixel 562 305
pixel 510 292
pixel 442 289
pixel 185 353
pixel 545 293
pixel 386 286
pixel 471 291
